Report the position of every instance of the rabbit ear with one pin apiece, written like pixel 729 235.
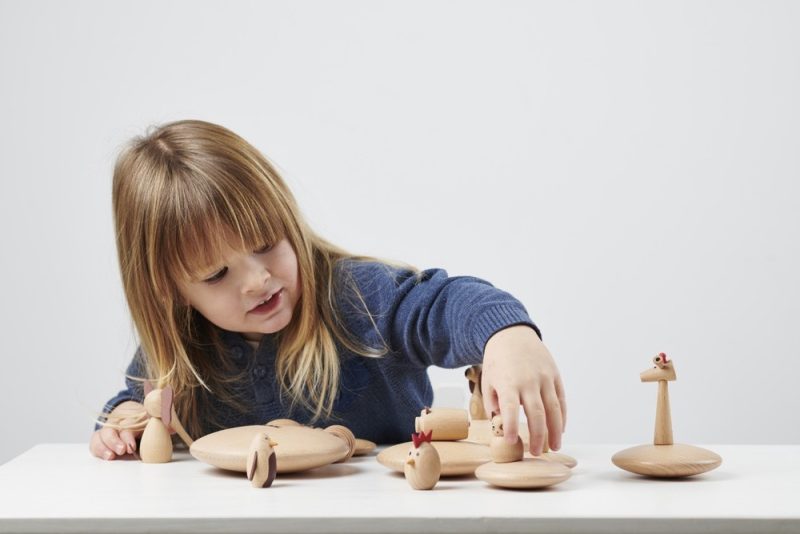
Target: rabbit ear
pixel 148 387
pixel 166 405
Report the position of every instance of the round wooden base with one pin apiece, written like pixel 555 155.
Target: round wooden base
pixel 299 447
pixel 480 431
pixel 526 474
pixel 667 461
pixel 457 457
pixel 363 447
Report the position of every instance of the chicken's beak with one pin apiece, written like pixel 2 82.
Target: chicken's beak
pixel 410 462
pixel 273 443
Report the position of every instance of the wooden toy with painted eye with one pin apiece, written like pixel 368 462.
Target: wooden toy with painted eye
pixel 262 465
pixel 509 469
pixel 156 442
pixel 422 467
pixel 664 458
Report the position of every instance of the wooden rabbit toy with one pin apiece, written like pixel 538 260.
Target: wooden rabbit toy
pixel 156 444
pixel 423 466
pixel 665 458
pixel 502 451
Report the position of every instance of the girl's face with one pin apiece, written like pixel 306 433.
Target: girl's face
pixel 231 295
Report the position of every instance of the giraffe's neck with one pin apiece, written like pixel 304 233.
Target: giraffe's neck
pixel 663 434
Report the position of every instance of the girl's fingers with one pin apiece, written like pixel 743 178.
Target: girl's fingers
pixel 489 399
pixel 130 441
pixel 537 427
pixel 562 401
pixel 111 440
pixel 509 410
pixel 552 408
pixel 99 449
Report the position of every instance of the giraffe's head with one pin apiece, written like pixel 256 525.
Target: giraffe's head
pixel 663 370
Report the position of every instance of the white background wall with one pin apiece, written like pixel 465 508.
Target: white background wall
pixel 629 170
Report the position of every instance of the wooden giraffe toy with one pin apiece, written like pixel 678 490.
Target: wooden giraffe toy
pixel 476 410
pixel 422 467
pixel 664 458
pixel 156 444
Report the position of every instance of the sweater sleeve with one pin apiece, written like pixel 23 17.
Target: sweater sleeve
pixel 134 389
pixel 429 319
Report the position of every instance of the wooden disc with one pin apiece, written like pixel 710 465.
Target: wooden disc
pixel 299 447
pixel 457 457
pixel 527 473
pixel 667 461
pixel 363 447
pixel 480 431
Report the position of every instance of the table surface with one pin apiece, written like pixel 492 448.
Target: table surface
pixel 61 488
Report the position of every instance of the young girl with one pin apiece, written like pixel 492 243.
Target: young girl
pixel 251 316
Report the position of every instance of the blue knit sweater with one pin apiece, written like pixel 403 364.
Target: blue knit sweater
pixel 434 320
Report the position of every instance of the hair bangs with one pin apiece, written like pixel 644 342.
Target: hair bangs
pixel 211 217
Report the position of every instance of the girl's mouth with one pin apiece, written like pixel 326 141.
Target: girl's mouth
pixel 270 304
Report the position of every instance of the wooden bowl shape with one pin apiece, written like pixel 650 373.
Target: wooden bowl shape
pixel 298 447
pixel 667 461
pixel 457 457
pixel 528 473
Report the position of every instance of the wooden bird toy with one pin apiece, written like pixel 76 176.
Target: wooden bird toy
pixel 476 410
pixel 422 466
pixel 262 465
pixel 664 458
pixel 509 468
pixel 156 442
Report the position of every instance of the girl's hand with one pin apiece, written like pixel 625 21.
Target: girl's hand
pixel 518 369
pixel 108 443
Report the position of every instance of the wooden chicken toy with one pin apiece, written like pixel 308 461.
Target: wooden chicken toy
pixel 422 467
pixel 664 458
pixel 262 464
pixel 510 469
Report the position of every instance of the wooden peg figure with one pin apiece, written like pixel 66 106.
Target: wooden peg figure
pixel 156 443
pixel 423 467
pixel 664 458
pixel 476 410
pixel 450 424
pixel 262 464
pixel 501 450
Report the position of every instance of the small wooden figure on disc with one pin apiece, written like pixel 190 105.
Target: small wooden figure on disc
pixel 262 464
pixel 509 468
pixel 664 458
pixel 422 466
pixel 156 444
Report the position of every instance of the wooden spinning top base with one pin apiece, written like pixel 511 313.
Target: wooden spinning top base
pixel 667 461
pixel 528 473
pixel 456 457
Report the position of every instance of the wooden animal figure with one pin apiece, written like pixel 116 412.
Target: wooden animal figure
pixel 450 424
pixel 664 458
pixel 423 466
pixel 476 410
pixel 156 443
pixel 262 464
pixel 501 450
pixel 663 372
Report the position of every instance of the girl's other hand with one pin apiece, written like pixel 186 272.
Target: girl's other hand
pixel 109 443
pixel 518 369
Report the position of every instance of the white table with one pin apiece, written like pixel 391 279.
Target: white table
pixel 61 488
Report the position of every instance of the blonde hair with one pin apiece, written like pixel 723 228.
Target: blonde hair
pixel 177 191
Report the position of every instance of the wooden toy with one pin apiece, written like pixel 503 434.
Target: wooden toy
pixel 364 447
pixel 300 447
pixel 448 424
pixel 501 450
pixel 422 467
pixel 344 433
pixel 481 432
pixel 476 410
pixel 510 470
pixel 456 457
pixel 156 442
pixel 261 461
pixel 664 458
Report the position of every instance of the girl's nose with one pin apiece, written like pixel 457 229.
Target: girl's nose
pixel 256 278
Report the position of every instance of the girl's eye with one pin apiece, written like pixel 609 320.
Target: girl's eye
pixel 217 276
pixel 265 248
